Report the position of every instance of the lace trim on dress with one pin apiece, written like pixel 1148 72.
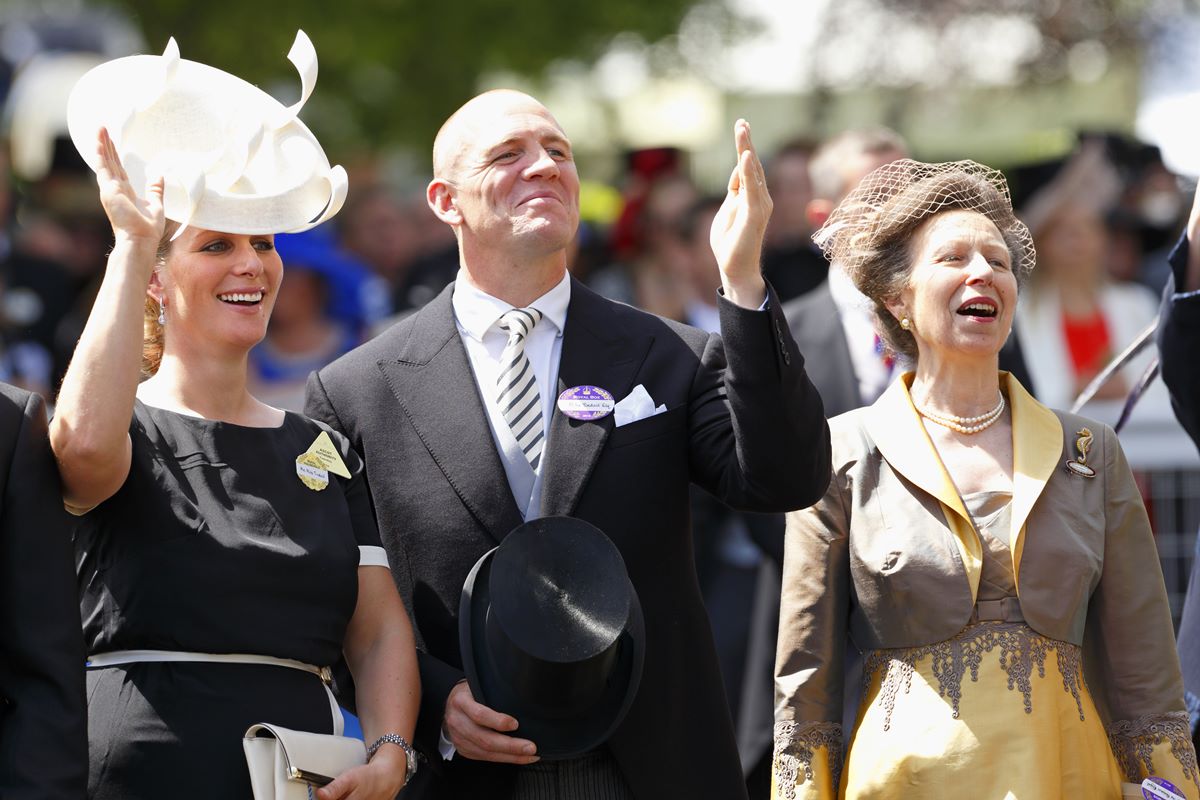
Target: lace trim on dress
pixel 1133 743
pixel 796 744
pixel 1021 649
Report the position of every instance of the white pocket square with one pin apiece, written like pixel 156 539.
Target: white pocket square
pixel 637 405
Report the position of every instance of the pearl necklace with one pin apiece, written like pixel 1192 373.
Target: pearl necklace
pixel 967 425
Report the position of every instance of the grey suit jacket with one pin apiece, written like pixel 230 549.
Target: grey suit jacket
pixel 817 327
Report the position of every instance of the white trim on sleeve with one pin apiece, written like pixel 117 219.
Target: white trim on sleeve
pixel 369 556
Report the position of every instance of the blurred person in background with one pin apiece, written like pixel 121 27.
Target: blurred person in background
pixel 703 277
pixel 66 227
pixel 378 230
pixel 48 265
pixel 1147 218
pixel 834 323
pixel 318 316
pixel 790 262
pixel 600 206
pixel 1073 316
pixel 59 233
pixel 436 264
pixel 661 266
pixel 648 263
pixel 643 168
pixel 652 267
pixel 24 361
pixel 402 243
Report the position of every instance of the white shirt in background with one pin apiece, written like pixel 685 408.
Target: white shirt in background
pixel 857 314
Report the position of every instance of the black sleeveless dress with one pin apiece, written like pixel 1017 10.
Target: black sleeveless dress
pixel 214 545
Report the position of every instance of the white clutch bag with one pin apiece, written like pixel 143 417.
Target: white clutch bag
pixel 286 764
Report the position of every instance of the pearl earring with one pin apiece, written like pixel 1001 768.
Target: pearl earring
pixel 905 324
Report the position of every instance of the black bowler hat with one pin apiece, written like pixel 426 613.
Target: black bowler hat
pixel 552 633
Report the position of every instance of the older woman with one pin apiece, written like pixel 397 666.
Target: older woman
pixel 227 553
pixel 990 558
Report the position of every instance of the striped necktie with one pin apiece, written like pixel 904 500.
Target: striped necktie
pixel 518 397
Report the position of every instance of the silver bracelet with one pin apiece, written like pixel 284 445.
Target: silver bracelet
pixel 410 755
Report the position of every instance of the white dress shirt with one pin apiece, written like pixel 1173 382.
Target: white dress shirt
pixel 857 313
pixel 477 316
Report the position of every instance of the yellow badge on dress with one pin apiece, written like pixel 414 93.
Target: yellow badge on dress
pixel 1083 444
pixel 315 464
pixel 328 455
pixel 311 473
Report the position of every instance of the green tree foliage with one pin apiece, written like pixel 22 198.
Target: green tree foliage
pixel 392 70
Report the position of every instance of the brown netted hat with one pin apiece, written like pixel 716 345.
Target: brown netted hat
pixel 890 202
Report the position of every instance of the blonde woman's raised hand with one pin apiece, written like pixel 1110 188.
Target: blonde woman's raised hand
pixel 133 218
pixel 741 223
pixel 90 430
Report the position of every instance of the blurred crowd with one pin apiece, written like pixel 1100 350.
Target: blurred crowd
pixel 1103 219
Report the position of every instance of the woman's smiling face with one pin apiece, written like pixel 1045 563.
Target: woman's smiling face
pixel 962 292
pixel 219 288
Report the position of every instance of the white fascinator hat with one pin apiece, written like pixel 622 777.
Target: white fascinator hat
pixel 234 159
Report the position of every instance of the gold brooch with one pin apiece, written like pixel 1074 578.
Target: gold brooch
pixel 1079 465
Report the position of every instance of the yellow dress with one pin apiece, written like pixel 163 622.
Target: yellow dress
pixel 969 686
pixel 998 711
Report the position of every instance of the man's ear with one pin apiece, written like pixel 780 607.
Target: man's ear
pixel 440 196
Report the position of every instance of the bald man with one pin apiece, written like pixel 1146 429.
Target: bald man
pixel 463 442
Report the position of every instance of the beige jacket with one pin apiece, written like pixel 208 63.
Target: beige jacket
pixel 889 557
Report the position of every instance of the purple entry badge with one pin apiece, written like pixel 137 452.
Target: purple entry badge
pixel 586 402
pixel 1156 788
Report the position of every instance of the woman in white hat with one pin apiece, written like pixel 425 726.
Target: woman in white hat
pixel 227 553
